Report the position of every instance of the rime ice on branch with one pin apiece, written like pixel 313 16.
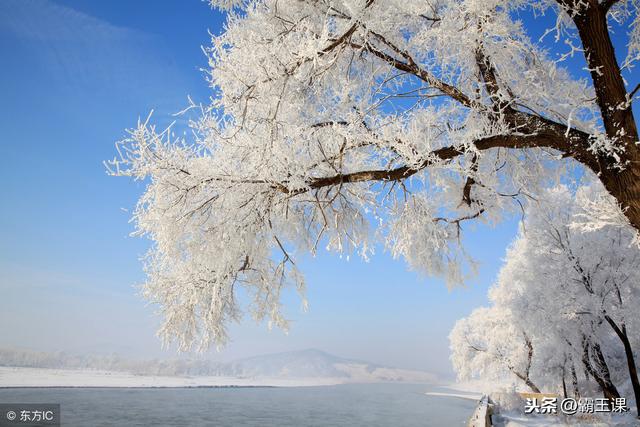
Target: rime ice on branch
pixel 564 315
pixel 346 123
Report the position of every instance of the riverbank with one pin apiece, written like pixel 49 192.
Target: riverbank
pixel 11 377
pixel 508 410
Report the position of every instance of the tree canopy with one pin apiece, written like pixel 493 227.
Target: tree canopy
pixel 350 123
pixel 565 303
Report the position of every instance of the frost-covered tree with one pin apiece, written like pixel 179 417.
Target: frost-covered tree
pixel 489 345
pixel 345 123
pixel 597 275
pixel 575 293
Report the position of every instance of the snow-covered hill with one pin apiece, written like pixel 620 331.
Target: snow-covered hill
pixel 318 364
pixel 306 367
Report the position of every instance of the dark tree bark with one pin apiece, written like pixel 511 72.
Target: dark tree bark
pixel 568 368
pixel 617 115
pixel 621 332
pixel 600 372
pixel 525 376
pixel 531 130
pixel 534 388
pixel 574 382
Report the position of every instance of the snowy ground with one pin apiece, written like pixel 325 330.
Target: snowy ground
pixel 470 396
pixel 40 377
pixel 465 390
pixel 477 386
pixel 513 419
pixel 297 368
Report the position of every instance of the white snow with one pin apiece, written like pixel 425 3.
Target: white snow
pixel 478 387
pixel 297 368
pixel 513 419
pixel 42 377
pixel 462 396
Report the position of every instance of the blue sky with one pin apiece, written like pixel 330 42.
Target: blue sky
pixel 74 75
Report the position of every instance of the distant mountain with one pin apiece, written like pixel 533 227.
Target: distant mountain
pixel 309 364
pixel 314 363
pixel 294 364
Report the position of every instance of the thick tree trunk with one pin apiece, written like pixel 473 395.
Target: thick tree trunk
pixel 532 130
pixel 571 371
pixel 611 94
pixel 574 382
pixel 631 364
pixel 525 378
pixel 625 187
pixel 534 388
pixel 611 391
pixel 601 374
pixel 617 114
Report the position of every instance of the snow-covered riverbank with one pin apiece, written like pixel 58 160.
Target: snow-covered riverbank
pixel 41 377
pixel 469 396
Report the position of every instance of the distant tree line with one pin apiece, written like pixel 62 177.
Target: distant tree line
pixel 113 362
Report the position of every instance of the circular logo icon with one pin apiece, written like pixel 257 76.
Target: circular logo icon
pixel 11 415
pixel 569 406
